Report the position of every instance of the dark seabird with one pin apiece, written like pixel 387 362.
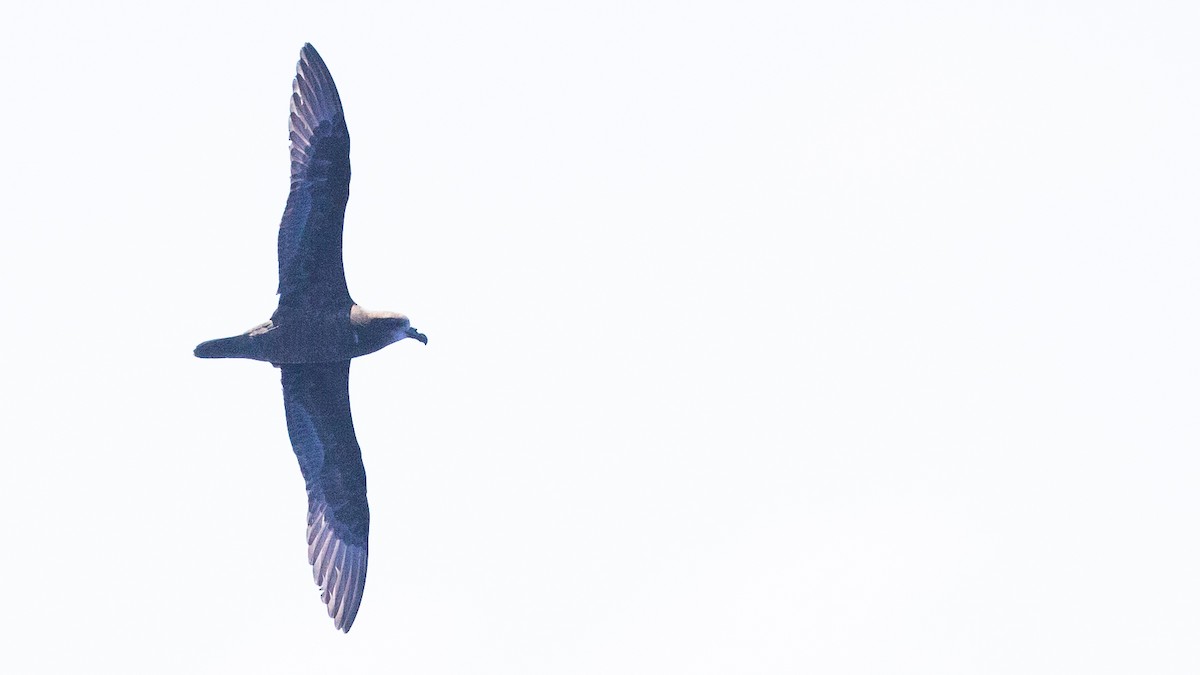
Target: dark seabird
pixel 312 336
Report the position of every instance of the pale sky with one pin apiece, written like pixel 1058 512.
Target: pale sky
pixel 763 337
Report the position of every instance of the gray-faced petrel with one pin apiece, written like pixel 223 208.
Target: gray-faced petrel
pixel 312 336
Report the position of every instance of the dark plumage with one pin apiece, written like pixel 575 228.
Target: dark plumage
pixel 313 334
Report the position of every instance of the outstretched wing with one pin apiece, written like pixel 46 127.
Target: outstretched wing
pixel 310 235
pixel 316 398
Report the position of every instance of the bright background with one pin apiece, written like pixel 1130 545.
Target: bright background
pixel 764 337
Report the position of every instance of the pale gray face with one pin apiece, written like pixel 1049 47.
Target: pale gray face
pixel 396 328
pixel 392 326
pixel 400 328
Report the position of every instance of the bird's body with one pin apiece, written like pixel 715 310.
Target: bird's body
pixel 295 336
pixel 315 331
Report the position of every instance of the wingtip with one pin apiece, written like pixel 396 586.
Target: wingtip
pixel 309 52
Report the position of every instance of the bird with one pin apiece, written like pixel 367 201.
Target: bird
pixel 313 334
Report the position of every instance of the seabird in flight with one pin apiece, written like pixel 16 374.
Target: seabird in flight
pixel 315 331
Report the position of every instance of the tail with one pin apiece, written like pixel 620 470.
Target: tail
pixel 236 347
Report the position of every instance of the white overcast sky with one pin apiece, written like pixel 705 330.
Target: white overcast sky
pixel 763 337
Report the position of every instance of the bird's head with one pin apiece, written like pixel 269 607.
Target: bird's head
pixel 383 328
